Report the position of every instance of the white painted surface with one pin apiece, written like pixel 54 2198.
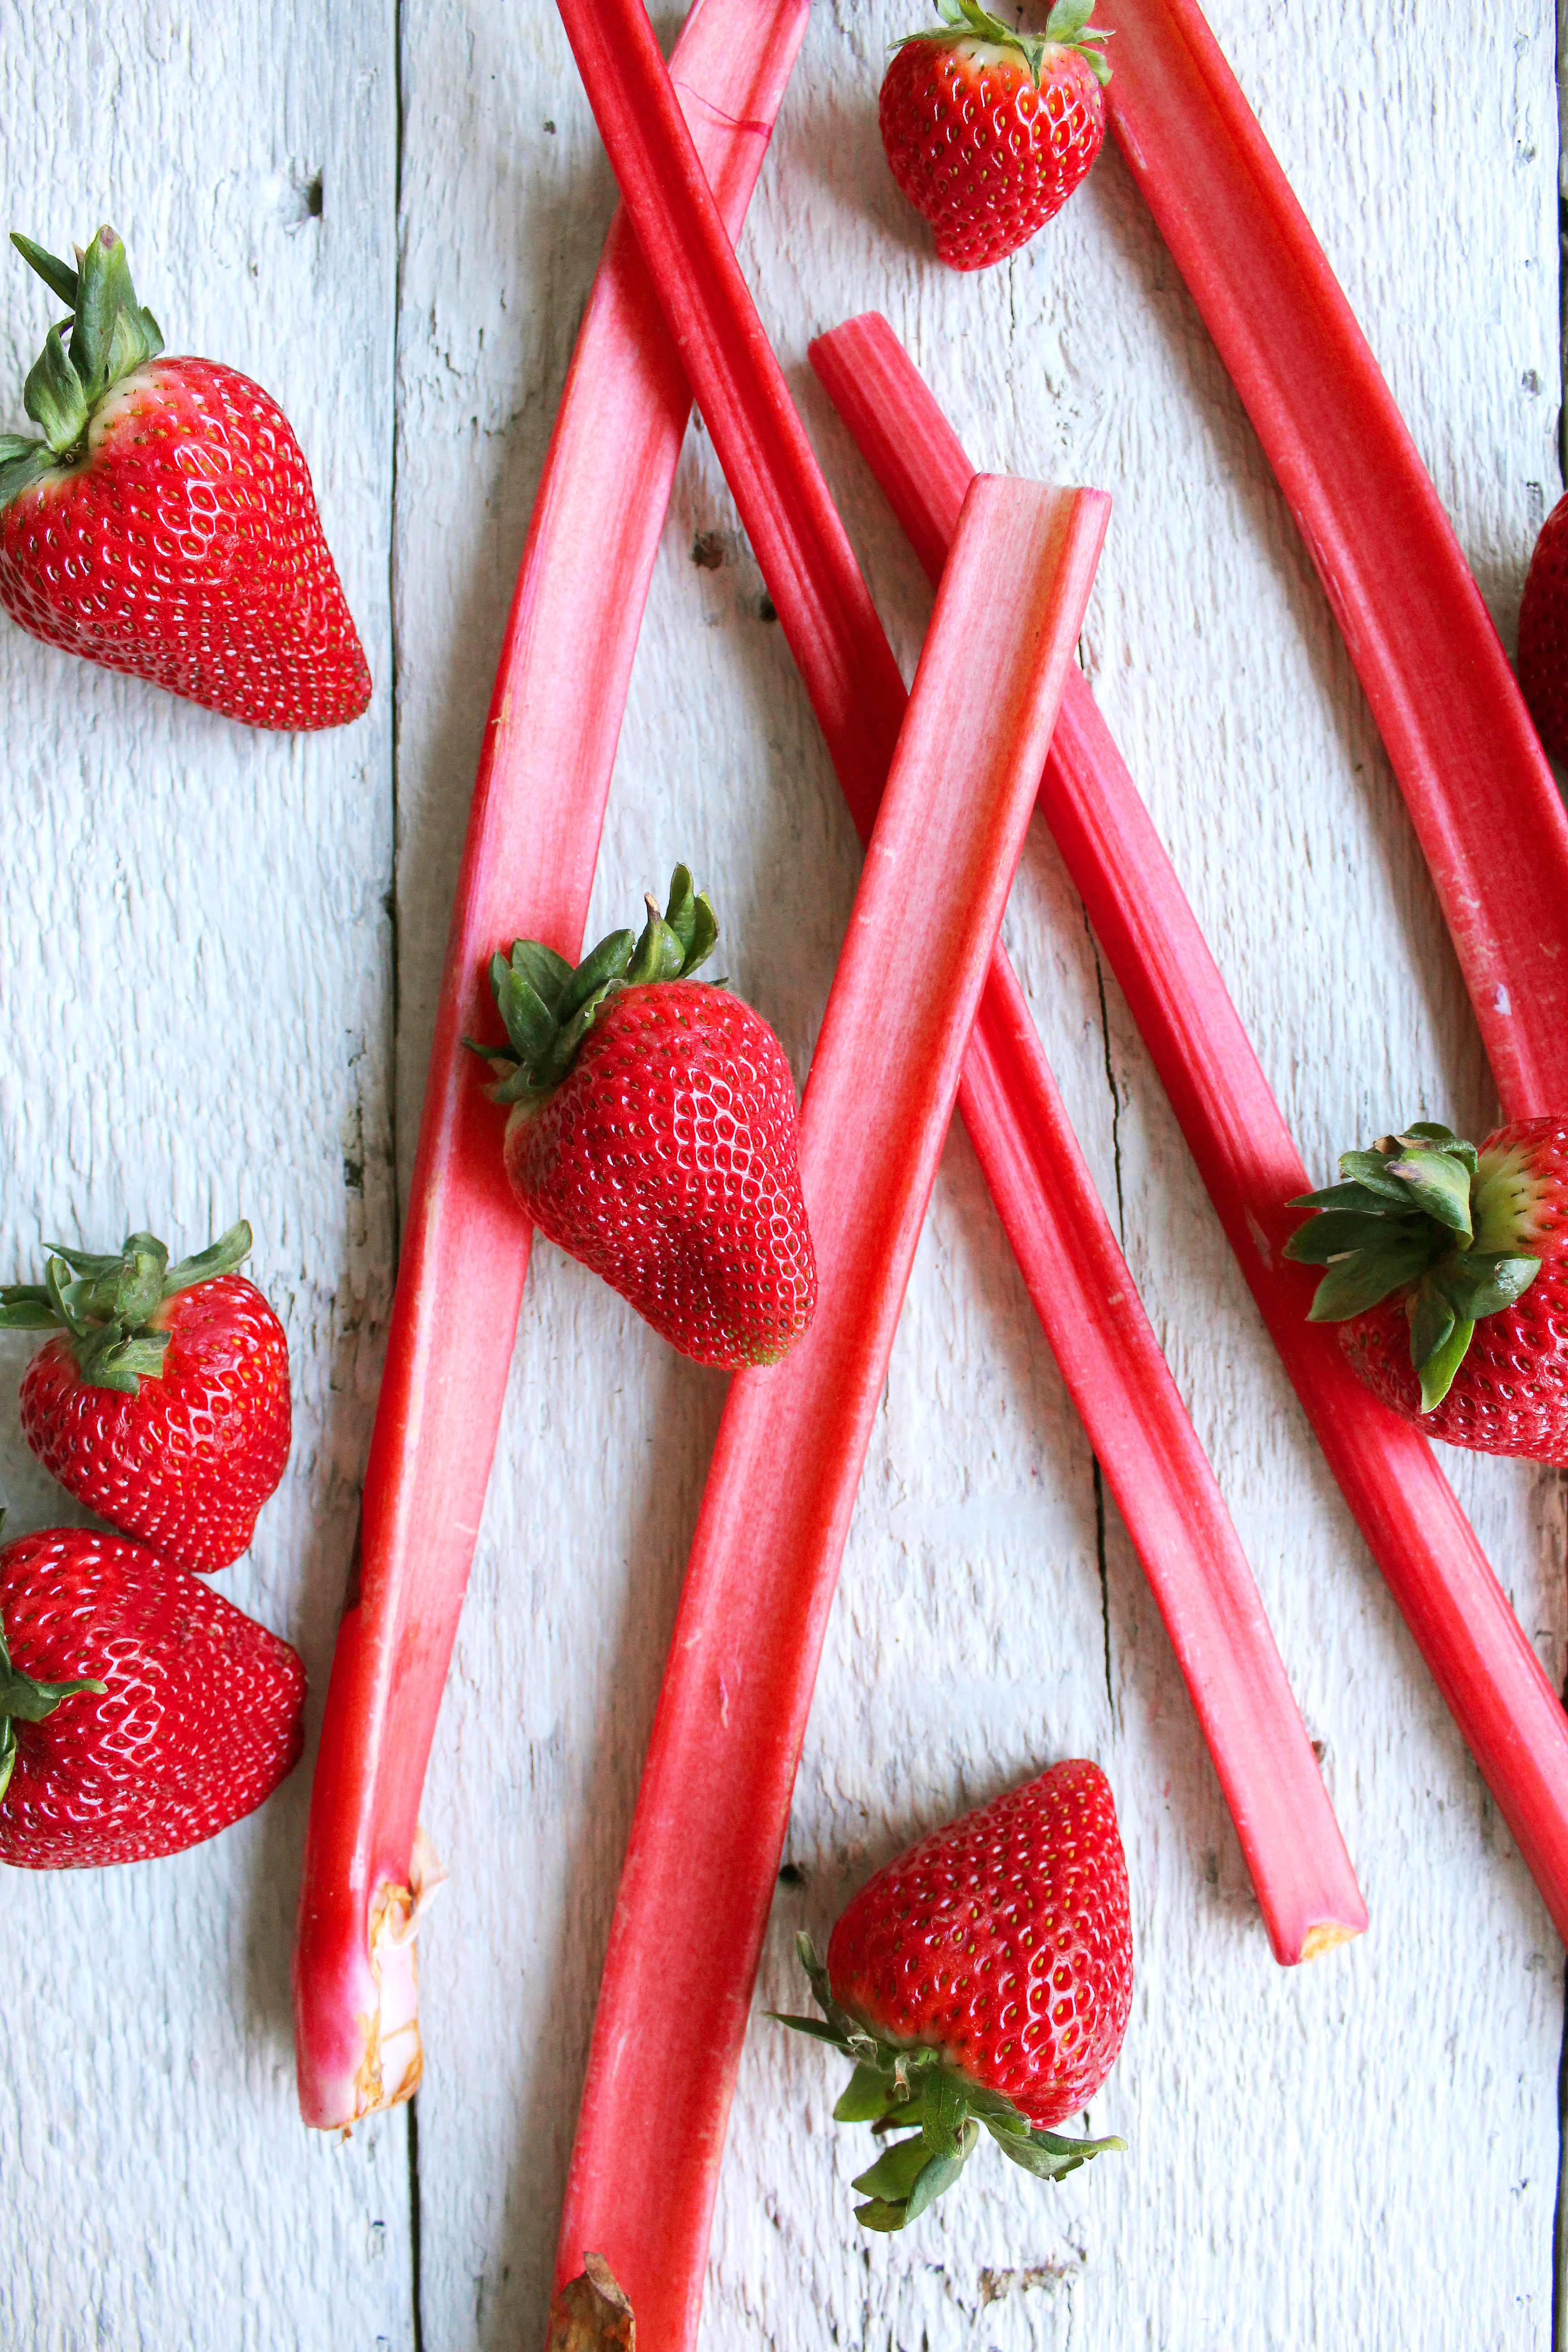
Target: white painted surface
pixel 203 1022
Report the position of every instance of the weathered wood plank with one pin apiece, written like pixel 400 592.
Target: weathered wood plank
pixel 1309 2152
pixel 198 1001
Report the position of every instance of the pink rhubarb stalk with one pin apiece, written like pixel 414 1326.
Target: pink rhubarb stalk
pixel 1014 1112
pixel 1486 1671
pixel 1486 811
pixel 714 1799
pixel 528 867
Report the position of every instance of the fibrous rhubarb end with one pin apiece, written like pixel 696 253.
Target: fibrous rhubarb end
pixel 591 2313
pixel 1327 1937
pixel 393 2060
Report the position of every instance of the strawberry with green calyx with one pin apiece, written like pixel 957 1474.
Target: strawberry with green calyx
pixel 164 523
pixel 982 1978
pixel 988 130
pixel 653 1134
pixel 144 1711
pixel 1447 1264
pixel 163 1400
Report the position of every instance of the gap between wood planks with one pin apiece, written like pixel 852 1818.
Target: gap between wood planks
pixel 1121 1241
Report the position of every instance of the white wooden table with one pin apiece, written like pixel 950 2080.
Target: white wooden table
pixel 220 953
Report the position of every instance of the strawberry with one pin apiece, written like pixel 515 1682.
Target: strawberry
pixel 165 523
pixel 141 1712
pixel 163 1402
pixel 1543 633
pixel 1448 1269
pixel 988 132
pixel 984 1976
pixel 653 1134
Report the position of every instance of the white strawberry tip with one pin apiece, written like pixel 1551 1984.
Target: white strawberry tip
pixel 900 2087
pixel 1425 1215
pixel 392 2057
pixel 548 1006
pixel 1066 28
pixel 110 335
pixel 107 1305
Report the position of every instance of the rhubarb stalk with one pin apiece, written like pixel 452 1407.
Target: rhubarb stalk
pixel 714 1799
pixel 1441 1581
pixel 528 866
pixel 1486 809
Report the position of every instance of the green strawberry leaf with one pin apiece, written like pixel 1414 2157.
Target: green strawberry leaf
pixel 658 954
pixel 869 2095
pixel 879 2216
pixel 1369 1169
pixel 529 1022
pixel 1336 1231
pixel 1424 1131
pixel 1438 1370
pixel 548 975
pixel 55 398
pixel 896 2171
pixel 603 965
pixel 1439 1184
pixel 26 1307
pixel 680 913
pixel 704 936
pixel 222 1256
pixel 1349 1196
pixel 939 2174
pixel 1359 1282
pixel 1067 20
pixel 1431 1324
pixel 1481 1283
pixel 819 2032
pixel 1047 2155
pixel 945 2111
pixel 58 276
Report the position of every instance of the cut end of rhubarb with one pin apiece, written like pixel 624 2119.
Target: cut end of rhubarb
pixel 1327 1936
pixel 393 2063
pixel 591 2313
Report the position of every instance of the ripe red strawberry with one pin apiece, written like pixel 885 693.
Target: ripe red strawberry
pixel 983 1978
pixel 1543 633
pixel 988 132
pixel 653 1134
pixel 165 523
pixel 141 1712
pixel 1447 1269
pixel 163 1402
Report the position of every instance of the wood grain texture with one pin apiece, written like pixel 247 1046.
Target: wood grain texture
pixel 1274 2191
pixel 200 1001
